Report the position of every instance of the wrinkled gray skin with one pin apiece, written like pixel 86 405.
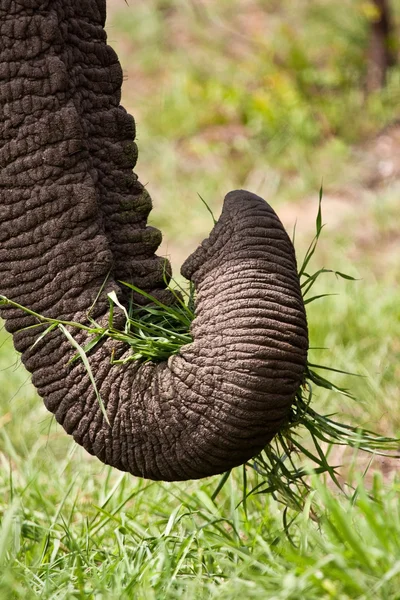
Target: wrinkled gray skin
pixel 72 211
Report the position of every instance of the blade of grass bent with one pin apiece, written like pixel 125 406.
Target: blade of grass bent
pixel 88 368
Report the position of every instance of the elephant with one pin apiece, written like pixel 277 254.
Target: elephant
pixel 73 218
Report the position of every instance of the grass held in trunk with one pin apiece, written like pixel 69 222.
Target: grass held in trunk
pixel 155 331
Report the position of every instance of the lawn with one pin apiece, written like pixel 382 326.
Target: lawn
pixel 268 96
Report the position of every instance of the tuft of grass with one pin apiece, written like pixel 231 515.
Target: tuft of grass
pixel 90 534
pixel 155 331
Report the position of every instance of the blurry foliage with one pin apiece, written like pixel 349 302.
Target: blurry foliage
pixel 270 74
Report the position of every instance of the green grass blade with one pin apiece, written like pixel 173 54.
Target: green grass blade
pixel 208 208
pixel 88 368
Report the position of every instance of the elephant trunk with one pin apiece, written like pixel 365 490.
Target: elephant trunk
pixel 72 216
pixel 224 396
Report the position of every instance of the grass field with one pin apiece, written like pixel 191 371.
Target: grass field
pixel 268 96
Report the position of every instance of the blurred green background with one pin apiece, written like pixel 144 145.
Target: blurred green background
pixel 264 95
pixel 275 97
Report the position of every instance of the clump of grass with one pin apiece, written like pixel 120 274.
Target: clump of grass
pixel 281 463
pixel 155 331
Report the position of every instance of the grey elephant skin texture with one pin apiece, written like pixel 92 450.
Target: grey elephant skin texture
pixel 73 215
